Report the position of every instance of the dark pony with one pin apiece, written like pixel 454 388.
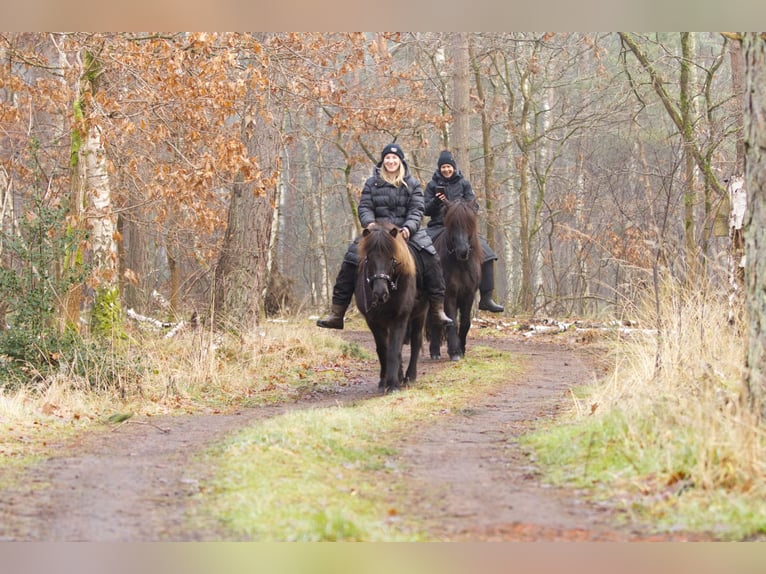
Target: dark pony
pixel 387 295
pixel 460 255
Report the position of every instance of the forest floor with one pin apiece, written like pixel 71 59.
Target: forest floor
pixel 134 482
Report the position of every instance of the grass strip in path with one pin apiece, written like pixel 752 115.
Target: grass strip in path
pixel 331 474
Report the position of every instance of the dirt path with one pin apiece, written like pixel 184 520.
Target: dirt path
pixel 134 482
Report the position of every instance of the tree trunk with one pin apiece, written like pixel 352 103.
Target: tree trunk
pixel 240 273
pixel 461 141
pixel 69 312
pixel 686 106
pixel 136 277
pixel 490 191
pixel 525 235
pixel 738 87
pixel 7 228
pixel 754 45
pixel 98 199
pixel 241 276
pixel 737 196
pixel 91 189
pixel 104 306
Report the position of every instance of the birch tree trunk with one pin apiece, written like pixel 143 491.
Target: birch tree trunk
pixel 754 45
pixel 91 191
pixel 738 83
pixel 7 219
pixel 687 109
pixel 101 220
pixel 737 196
pixel 104 305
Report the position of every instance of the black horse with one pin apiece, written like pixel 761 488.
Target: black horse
pixel 460 255
pixel 387 295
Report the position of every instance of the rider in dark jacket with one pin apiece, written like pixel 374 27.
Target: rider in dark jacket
pixel 392 195
pixel 448 184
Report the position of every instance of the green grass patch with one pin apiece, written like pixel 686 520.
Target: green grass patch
pixel 332 474
pixel 668 434
pixel 655 476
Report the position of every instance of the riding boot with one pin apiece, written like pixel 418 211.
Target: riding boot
pixel 342 293
pixel 437 314
pixel 433 284
pixel 487 287
pixel 335 319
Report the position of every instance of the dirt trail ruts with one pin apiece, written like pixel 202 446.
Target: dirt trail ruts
pixel 134 483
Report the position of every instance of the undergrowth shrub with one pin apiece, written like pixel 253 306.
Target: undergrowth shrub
pixel 41 264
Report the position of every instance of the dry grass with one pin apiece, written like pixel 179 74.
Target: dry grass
pixel 687 380
pixel 669 427
pixel 194 371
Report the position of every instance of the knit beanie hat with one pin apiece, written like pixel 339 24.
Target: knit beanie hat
pixel 446 157
pixel 392 148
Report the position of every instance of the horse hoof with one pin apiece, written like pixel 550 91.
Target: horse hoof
pixel 454 357
pixel 435 357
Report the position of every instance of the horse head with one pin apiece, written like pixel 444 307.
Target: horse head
pixel 460 222
pixel 385 258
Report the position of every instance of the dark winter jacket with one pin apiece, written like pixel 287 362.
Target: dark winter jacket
pixel 456 187
pixel 403 206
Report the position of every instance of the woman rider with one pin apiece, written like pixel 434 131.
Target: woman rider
pixel 391 194
pixel 448 184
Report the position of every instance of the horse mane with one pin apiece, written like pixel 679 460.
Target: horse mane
pixel 461 215
pixel 380 239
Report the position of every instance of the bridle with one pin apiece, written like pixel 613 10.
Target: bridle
pixel 451 248
pixel 393 282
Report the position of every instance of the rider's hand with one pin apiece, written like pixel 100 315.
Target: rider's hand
pixel 406 233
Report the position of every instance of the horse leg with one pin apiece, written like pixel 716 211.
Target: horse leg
pixel 453 342
pixel 381 348
pixel 393 377
pixel 465 323
pixel 416 344
pixel 435 339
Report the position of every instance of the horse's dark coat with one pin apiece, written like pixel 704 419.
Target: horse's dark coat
pixel 460 255
pixel 387 296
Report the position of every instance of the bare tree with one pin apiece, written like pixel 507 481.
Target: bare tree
pixel 754 47
pixel 461 136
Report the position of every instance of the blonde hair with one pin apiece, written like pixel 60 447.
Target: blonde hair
pixel 396 179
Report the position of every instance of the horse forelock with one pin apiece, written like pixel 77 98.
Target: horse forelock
pixel 461 215
pixel 380 240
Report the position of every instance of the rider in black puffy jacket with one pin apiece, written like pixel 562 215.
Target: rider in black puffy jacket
pixel 392 195
pixel 448 184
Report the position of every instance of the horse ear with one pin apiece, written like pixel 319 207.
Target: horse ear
pixel 394 231
pixel 366 232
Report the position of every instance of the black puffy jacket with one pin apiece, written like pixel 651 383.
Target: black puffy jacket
pixel 456 187
pixel 403 206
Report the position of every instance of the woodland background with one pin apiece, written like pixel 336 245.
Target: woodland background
pixel 216 175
